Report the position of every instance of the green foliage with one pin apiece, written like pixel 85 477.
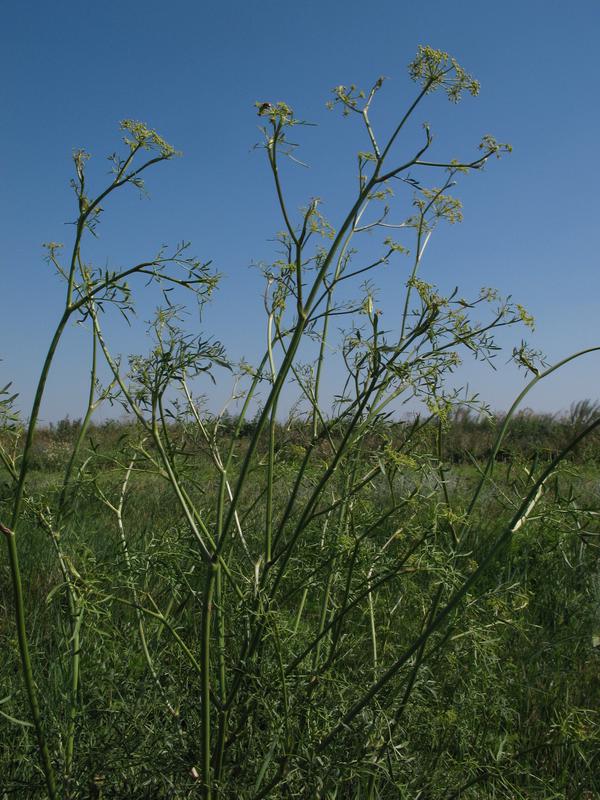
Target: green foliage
pixel 139 135
pixel 435 69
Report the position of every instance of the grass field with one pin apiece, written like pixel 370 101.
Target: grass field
pixel 499 701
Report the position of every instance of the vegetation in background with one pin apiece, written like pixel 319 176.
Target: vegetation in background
pixel 335 605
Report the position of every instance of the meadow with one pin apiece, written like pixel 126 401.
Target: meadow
pixel 500 701
pixel 333 602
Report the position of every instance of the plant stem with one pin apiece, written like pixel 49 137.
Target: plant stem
pixel 207 609
pixel 30 687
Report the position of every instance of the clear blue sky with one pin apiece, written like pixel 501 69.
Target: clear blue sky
pixel 193 70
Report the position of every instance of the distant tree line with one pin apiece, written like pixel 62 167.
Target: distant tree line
pixel 462 437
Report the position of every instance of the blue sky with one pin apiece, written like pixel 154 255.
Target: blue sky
pixel 193 70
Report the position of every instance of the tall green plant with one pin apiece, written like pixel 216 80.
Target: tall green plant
pixel 305 536
pixel 87 289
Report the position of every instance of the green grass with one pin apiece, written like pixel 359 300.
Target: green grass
pixel 505 695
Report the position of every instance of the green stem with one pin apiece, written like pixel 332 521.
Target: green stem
pixel 224 713
pixel 508 418
pixel 205 688
pixel 30 687
pixel 33 417
pixel 15 569
pixel 270 457
pixel 73 709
